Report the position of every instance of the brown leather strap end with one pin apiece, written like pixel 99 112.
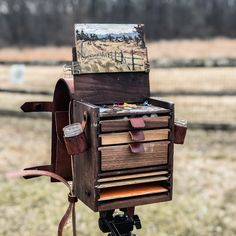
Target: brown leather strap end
pixel 136 147
pixel 179 133
pixel 37 107
pixel 137 122
pixel 45 168
pixel 137 135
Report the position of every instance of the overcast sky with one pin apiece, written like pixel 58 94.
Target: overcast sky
pixel 106 28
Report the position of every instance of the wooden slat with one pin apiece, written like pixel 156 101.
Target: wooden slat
pixel 121 138
pixel 130 191
pixel 124 125
pixel 132 181
pixel 120 157
pixel 132 176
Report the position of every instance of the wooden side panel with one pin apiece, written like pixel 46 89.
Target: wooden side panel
pixel 124 125
pixel 125 137
pixel 86 164
pixel 111 88
pixel 171 106
pixel 120 157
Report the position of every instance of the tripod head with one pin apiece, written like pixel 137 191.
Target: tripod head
pixel 118 225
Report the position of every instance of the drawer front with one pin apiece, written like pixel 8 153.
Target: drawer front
pixel 124 124
pixel 125 137
pixel 121 157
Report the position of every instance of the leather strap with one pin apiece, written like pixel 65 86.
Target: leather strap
pixel 37 107
pixel 45 168
pixel 84 122
pixel 137 135
pixel 136 147
pixel 71 197
pixel 137 122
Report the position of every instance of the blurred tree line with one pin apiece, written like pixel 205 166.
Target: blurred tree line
pixel 42 22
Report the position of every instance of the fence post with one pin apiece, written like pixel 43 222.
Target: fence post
pixel 121 57
pixel 132 58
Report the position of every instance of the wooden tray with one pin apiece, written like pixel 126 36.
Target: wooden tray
pixel 130 191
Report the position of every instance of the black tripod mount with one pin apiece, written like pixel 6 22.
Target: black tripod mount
pixel 118 225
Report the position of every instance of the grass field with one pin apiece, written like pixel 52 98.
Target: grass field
pixel 204 201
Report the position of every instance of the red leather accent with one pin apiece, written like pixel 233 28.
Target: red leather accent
pixel 136 147
pixel 137 122
pixel 179 133
pixel 137 135
pixel 76 145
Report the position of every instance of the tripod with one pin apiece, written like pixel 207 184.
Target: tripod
pixel 118 225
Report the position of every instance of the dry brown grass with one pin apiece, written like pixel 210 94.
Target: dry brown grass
pixel 49 53
pixel 218 47
pixel 205 109
pixel 214 48
pixel 36 77
pixel 193 79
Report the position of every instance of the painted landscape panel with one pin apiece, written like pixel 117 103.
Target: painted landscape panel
pixel 110 48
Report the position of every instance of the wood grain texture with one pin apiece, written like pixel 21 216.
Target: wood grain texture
pixel 124 125
pixel 125 137
pixel 111 88
pixel 132 181
pixel 130 191
pixel 120 157
pixel 86 164
pixel 132 176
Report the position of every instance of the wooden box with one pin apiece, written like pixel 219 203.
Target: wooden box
pixel 110 175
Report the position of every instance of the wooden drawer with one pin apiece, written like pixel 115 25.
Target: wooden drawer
pixel 124 124
pixel 125 137
pixel 131 191
pixel 121 157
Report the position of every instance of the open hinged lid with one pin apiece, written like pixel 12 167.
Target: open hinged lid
pixel 111 63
